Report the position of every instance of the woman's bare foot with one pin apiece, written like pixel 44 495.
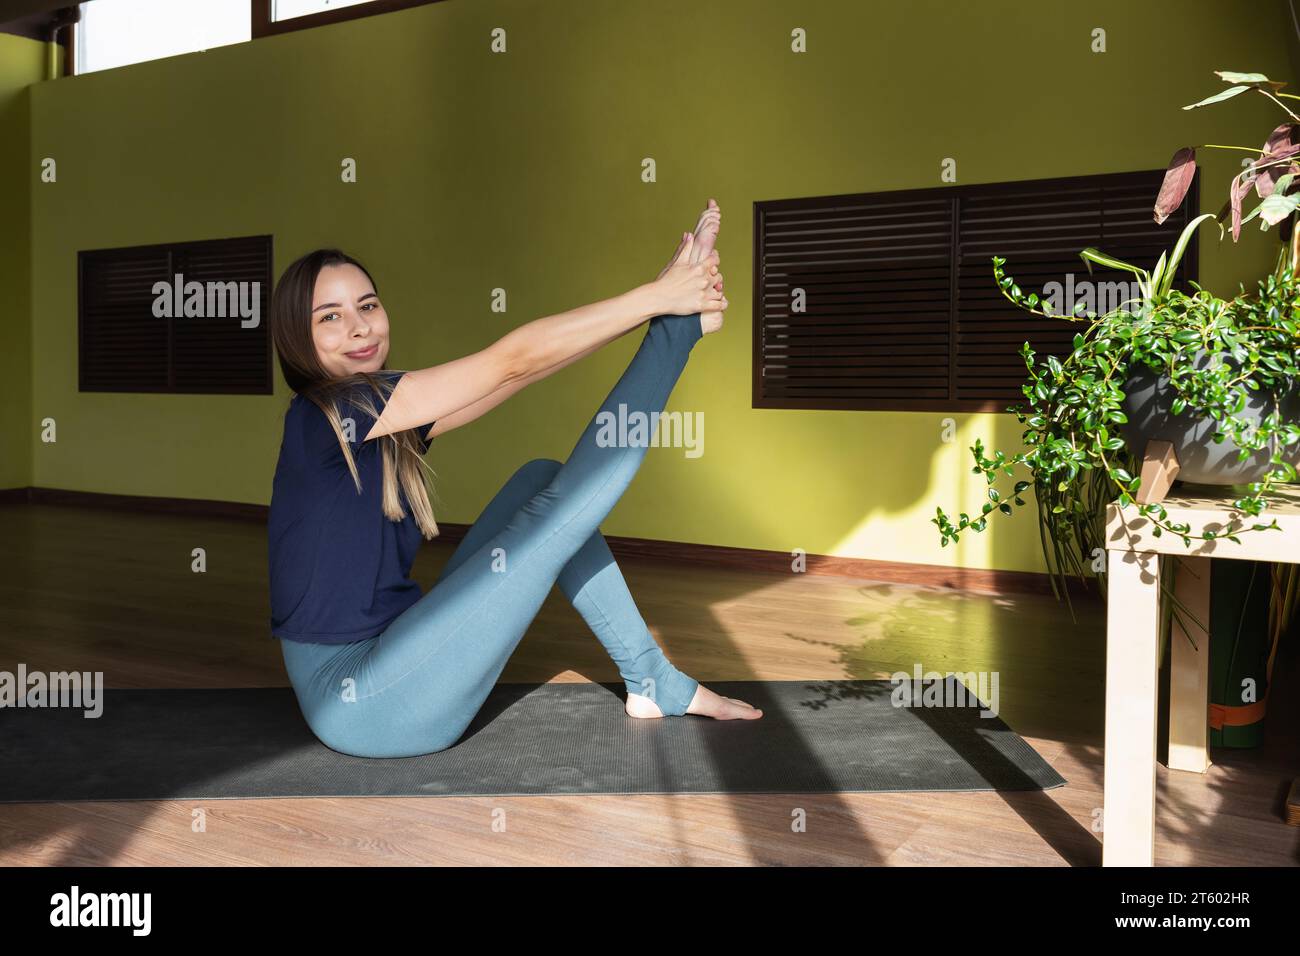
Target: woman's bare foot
pixel 706 232
pixel 706 236
pixel 705 703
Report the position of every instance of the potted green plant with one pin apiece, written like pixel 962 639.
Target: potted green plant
pixel 1211 354
pixel 1217 372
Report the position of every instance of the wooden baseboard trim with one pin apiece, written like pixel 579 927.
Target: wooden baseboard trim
pixel 199 507
pixel 747 559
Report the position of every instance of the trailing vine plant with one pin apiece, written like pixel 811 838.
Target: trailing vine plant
pixel 1076 458
pixel 1076 402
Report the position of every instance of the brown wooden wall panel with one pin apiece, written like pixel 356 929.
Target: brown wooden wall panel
pixel 902 310
pixel 855 300
pixel 120 341
pixel 124 347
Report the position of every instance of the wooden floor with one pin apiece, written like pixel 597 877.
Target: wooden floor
pixel 109 591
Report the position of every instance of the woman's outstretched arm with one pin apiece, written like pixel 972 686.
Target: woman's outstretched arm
pixel 470 412
pixel 442 390
pixel 701 244
pixel 484 405
pixel 426 395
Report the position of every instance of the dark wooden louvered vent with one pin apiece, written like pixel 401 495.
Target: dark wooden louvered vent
pixel 899 305
pixel 125 347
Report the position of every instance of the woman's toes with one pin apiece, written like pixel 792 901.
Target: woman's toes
pixel 709 703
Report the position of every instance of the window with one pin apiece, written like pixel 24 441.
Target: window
pixel 182 317
pixel 888 301
pixel 288 9
pixel 120 32
pixel 270 17
pixel 115 33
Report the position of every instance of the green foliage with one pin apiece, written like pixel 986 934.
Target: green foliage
pixel 1075 405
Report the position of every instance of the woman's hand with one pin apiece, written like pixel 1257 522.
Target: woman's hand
pixel 684 289
pixel 675 256
pixel 710 216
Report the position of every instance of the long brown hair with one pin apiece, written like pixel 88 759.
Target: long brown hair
pixel 402 453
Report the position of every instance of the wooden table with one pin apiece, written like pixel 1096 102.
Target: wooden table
pixel 1135 559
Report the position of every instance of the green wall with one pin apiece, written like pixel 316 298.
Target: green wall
pixel 522 170
pixel 22 63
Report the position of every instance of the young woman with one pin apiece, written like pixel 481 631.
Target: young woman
pixel 378 669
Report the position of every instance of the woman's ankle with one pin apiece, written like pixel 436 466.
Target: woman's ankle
pixel 672 691
pixel 682 329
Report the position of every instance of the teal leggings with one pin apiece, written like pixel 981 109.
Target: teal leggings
pixel 415 688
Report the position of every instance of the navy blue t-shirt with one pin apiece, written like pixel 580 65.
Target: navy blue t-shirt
pixel 339 568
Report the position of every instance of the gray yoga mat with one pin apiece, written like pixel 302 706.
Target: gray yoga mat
pixel 554 738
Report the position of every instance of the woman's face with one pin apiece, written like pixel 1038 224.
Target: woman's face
pixel 346 319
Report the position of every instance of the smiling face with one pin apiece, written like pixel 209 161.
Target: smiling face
pixel 348 323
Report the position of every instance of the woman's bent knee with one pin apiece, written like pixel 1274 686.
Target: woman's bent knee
pixel 539 470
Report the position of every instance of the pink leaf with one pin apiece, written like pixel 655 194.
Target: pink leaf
pixel 1240 187
pixel 1278 146
pixel 1178 178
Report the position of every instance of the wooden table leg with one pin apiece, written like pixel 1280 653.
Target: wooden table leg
pixel 1132 665
pixel 1189 669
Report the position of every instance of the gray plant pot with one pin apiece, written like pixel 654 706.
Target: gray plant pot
pixel 1148 404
